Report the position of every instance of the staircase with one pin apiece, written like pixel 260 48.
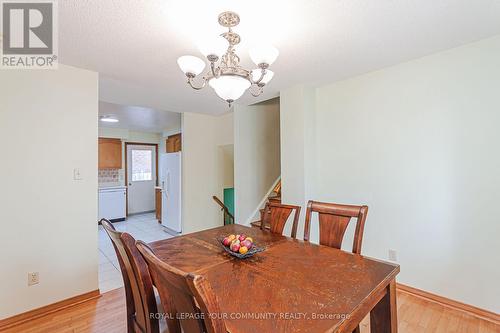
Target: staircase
pixel 274 197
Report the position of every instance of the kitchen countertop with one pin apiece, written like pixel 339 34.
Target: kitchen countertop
pixel 113 187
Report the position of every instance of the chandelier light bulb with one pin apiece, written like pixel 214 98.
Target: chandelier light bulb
pixel 256 73
pixel 229 88
pixel 191 64
pixel 213 46
pixel 263 54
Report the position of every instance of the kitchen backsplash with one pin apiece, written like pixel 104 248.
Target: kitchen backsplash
pixel 109 176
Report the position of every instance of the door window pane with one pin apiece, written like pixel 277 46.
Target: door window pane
pixel 142 166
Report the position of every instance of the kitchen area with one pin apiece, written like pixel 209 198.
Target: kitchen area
pixel 134 178
pixel 139 177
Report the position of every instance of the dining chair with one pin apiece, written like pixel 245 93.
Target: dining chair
pixel 142 309
pixel 333 222
pixel 276 215
pixel 190 294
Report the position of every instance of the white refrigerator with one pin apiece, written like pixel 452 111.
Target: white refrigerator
pixel 170 182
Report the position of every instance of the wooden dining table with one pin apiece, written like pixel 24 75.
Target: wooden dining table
pixel 292 286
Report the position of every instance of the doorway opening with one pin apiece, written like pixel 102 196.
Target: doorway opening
pixel 226 180
pixel 130 166
pixel 141 174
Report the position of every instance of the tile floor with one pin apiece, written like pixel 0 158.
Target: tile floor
pixel 141 226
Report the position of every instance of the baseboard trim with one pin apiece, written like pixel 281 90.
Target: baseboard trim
pixel 64 304
pixel 470 309
pixel 45 310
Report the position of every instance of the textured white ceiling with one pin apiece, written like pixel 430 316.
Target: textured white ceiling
pixel 134 44
pixel 139 118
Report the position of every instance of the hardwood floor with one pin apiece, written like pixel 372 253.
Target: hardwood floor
pixel 416 315
pixel 107 315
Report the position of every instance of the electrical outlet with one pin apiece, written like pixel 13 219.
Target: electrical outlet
pixel 33 278
pixel 393 255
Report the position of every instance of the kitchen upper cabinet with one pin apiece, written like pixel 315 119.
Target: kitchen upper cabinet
pixel 174 143
pixel 110 153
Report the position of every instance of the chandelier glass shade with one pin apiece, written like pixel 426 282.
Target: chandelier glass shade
pixel 263 54
pixel 225 75
pixel 191 64
pixel 229 88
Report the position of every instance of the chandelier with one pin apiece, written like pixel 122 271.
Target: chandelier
pixel 226 76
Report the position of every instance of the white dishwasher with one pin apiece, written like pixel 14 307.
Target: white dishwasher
pixel 112 203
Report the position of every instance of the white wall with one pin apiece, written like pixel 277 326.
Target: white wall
pixel 202 135
pixel 256 155
pixel 419 144
pixel 48 124
pixel 226 167
pixel 298 148
pixel 129 136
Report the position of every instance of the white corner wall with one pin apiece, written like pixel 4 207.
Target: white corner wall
pixel 202 135
pixel 226 168
pixel 419 144
pixel 256 155
pixel 298 148
pixel 129 136
pixel 48 124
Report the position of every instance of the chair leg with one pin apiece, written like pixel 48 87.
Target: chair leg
pixel 356 330
pixel 130 325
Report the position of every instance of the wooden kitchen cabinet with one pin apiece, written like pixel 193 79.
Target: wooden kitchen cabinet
pixel 158 204
pixel 110 153
pixel 174 143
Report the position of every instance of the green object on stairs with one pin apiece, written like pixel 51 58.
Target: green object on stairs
pixel 229 201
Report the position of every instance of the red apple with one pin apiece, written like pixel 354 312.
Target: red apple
pixel 235 247
pixel 247 243
pixel 242 238
pixel 226 241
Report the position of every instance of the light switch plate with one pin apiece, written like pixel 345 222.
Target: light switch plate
pixel 393 255
pixel 76 174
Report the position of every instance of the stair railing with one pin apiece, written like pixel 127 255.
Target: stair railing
pixel 227 215
pixel 277 188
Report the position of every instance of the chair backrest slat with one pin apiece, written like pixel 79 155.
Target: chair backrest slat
pixel 141 300
pixel 276 215
pixel 333 222
pixel 191 295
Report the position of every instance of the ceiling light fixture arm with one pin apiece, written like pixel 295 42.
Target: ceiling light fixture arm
pixel 260 90
pixel 190 81
pixel 263 72
pixel 215 72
